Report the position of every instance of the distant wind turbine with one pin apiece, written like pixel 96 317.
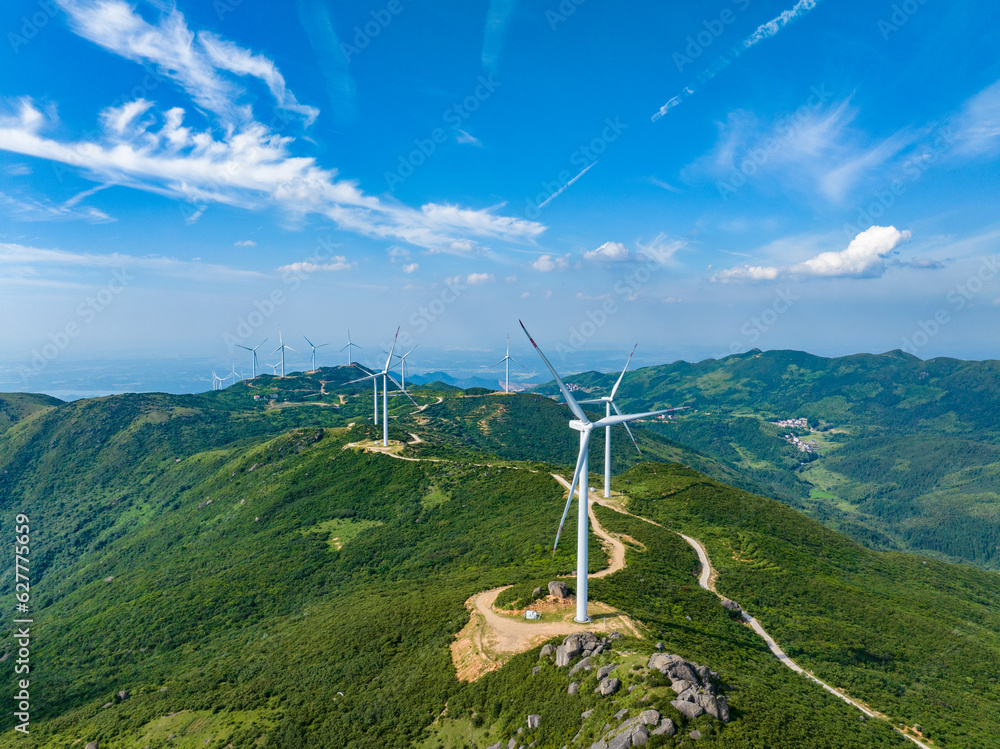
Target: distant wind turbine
pixel 386 377
pixel 584 426
pixel 274 368
pixel 216 380
pixel 402 360
pixel 281 348
pixel 609 403
pixel 254 352
pixel 233 374
pixel 348 347
pixel 508 359
pixel 314 347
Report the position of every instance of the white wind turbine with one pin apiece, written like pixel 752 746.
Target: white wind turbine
pixel 402 360
pixel 254 352
pixel 609 403
pixel 314 347
pixel 384 374
pixel 282 348
pixel 584 426
pixel 508 359
pixel 216 380
pixel 274 368
pixel 233 374
pixel 348 347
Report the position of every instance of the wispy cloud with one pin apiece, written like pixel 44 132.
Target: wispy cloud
pixel 865 257
pixel 245 243
pixel 34 258
pixel 497 19
pixel 977 126
pixel 42 209
pixel 465 138
pixel 337 263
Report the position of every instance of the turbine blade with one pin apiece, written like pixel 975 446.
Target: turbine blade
pixel 517 362
pixel 388 359
pixel 362 379
pixel 404 392
pixel 592 400
pixel 291 349
pixel 570 400
pixel 615 388
pixel 569 501
pixel 625 424
pixel 321 345
pixel 309 342
pixel 498 363
pixel 243 347
pixel 608 421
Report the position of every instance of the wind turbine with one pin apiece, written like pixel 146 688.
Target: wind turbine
pixel 508 359
pixel 215 380
pixel 282 348
pixel 402 360
pixel 274 368
pixel 233 374
pixel 254 352
pixel 384 374
pixel 314 347
pixel 584 426
pixel 609 403
pixel 348 347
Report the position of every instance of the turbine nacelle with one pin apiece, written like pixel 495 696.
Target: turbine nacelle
pixel 580 426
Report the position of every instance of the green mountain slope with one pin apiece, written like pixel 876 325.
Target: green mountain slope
pixel 17 406
pixel 251 579
pixel 907 448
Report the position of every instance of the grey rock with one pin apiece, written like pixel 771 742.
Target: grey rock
pixel 603 671
pixel 536 670
pixel 621 714
pixel 534 721
pixel 520 730
pixel 690 709
pixel 695 735
pixel 599 649
pixel 558 589
pixel 547 649
pixel 715 706
pixel 681 685
pixel 92 745
pixel 608 686
pixel 563 657
pixel 667 728
pixel 690 695
pixel 512 744
pixel 586 714
pixel 703 674
pixel 587 653
pixel 616 636
pixel 107 704
pixel 537 592
pixel 689 618
pixel 607 727
pixel 583 665
pixel 498 745
pixel 731 605
pixel 640 735
pixel 123 695
pixel 573 687
pixel 620 741
pixel 602 744
pixel 649 717
pixel 633 687
pixel 659 645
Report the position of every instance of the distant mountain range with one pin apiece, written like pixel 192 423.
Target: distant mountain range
pixel 466 382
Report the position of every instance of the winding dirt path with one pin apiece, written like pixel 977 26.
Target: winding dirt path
pixel 707 581
pixel 612 544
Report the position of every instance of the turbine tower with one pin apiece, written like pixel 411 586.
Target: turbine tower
pixel 508 359
pixel 584 426
pixel 609 403
pixel 233 374
pixel 215 380
pixel 281 348
pixel 314 347
pixel 402 360
pixel 254 352
pixel 386 377
pixel 348 347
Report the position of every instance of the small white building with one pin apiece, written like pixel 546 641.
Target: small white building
pixel 532 615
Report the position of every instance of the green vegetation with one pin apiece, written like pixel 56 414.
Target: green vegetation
pixel 252 581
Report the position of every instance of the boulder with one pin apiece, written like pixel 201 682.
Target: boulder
pixel 603 671
pixel 563 656
pixel 608 686
pixel 666 728
pixel 123 695
pixel 731 605
pixel 621 714
pixel 512 744
pixel 649 717
pixel 715 706
pixel 616 636
pixel 558 589
pixel 498 745
pixel 583 665
pixel 534 721
pixel 547 649
pixel 536 670
pixel 537 592
pixel 573 687
pixel 602 744
pixel 695 735
pixel 690 709
pixel 92 745
pixel 586 714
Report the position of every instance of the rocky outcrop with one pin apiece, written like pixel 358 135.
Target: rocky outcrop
pixel 573 687
pixel 580 643
pixel 608 687
pixel 693 685
pixel 92 745
pixel 534 721
pixel 666 727
pixel 731 605
pixel 547 649
pixel 583 665
pixel 558 589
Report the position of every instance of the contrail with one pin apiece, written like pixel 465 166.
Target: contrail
pixel 562 189
pixel 762 32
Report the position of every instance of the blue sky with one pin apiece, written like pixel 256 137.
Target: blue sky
pixel 176 178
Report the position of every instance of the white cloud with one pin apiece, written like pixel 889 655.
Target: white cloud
pixel 475 279
pixel 339 262
pixel 41 209
pixel 609 252
pixel 525 295
pixel 865 257
pixel 977 127
pixel 245 243
pixel 410 268
pixel 548 263
pixel 34 258
pixel 465 138
pixel 776 24
pixel 511 279
pixel 17 170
